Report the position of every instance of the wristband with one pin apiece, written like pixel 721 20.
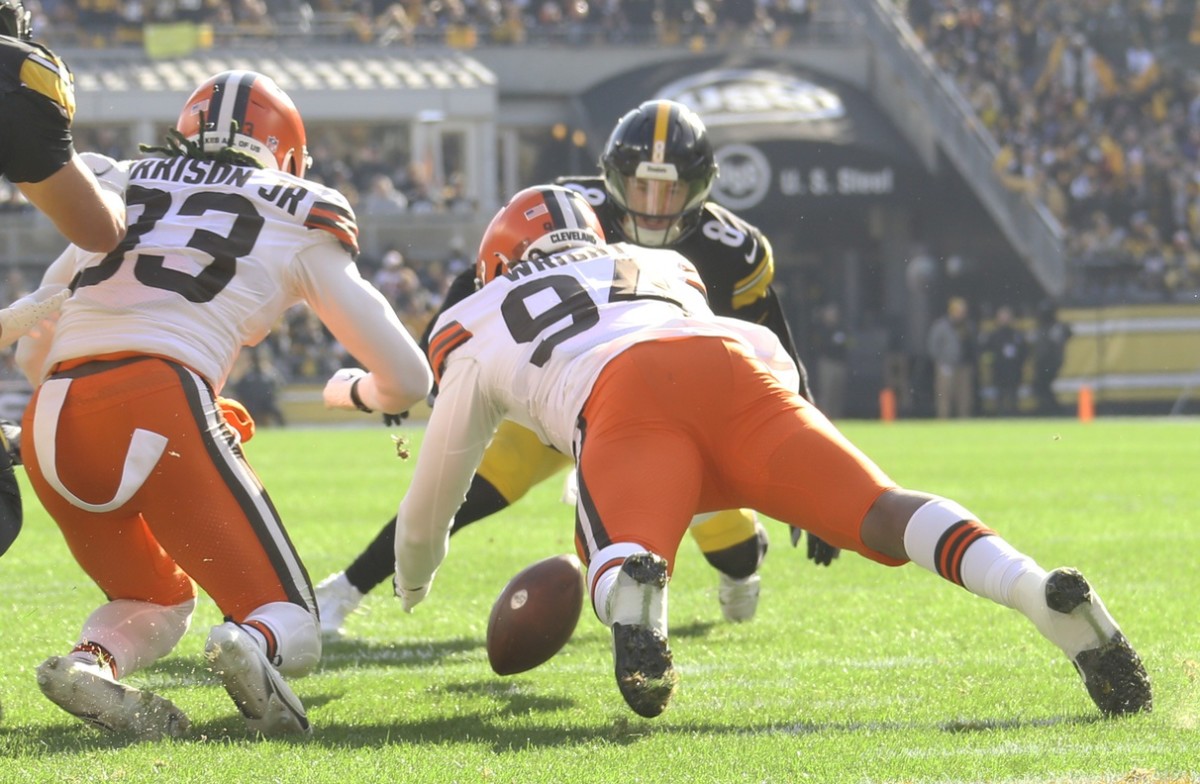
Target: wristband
pixel 355 399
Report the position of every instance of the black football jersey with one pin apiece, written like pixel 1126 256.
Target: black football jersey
pixel 734 260
pixel 37 104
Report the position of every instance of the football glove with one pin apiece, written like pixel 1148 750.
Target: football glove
pixel 409 597
pixel 112 175
pixel 27 312
pixel 341 391
pixel 820 552
pixel 237 417
pixel 394 420
pixel 10 440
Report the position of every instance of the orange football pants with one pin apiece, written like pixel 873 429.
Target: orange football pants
pixel 674 428
pixel 200 514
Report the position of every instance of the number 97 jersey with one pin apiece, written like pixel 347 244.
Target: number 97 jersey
pixel 530 344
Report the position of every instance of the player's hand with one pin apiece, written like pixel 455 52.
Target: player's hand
pixel 820 552
pixel 113 175
pixel 394 420
pixel 237 417
pixel 10 439
pixel 341 391
pixel 27 312
pixel 409 597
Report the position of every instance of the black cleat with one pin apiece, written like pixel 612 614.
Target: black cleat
pixel 644 668
pixel 641 656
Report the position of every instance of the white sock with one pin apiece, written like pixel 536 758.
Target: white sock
pixel 602 575
pixel 136 634
pixel 948 540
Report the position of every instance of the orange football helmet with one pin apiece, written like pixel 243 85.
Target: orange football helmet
pixel 248 112
pixel 537 221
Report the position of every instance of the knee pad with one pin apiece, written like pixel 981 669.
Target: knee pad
pixel 733 541
pixel 297 636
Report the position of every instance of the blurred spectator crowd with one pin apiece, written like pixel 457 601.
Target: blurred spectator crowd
pixel 458 23
pixel 1095 106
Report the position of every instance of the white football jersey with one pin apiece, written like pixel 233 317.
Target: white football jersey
pixel 214 254
pixel 529 346
pixel 542 333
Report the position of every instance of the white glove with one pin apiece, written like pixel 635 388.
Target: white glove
pixel 27 312
pixel 341 390
pixel 113 175
pixel 409 597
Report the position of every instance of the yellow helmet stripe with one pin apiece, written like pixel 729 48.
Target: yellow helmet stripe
pixel 662 124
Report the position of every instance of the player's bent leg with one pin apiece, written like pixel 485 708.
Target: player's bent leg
pixel 515 461
pixel 482 500
pixel 632 600
pixel 734 543
pixel 948 540
pixel 136 634
pixel 241 655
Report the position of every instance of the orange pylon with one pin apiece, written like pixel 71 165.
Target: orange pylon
pixel 1086 404
pixel 887 404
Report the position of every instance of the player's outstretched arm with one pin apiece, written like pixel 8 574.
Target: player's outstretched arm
pixel 89 209
pixel 27 312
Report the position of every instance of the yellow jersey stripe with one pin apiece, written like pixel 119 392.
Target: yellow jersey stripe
pixel 754 286
pixel 48 76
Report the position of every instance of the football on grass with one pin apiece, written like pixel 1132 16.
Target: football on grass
pixel 535 614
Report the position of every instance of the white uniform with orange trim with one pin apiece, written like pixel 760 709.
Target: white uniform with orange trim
pixel 215 255
pixel 529 346
pixel 128 449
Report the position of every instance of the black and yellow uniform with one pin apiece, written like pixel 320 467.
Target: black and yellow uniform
pixel 37 104
pixel 734 260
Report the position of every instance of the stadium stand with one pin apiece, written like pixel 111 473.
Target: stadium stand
pixel 1074 125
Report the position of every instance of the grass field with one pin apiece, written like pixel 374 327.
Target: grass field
pixel 855 673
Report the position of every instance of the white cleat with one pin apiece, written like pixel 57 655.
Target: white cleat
pixel 257 688
pixel 87 692
pixel 336 599
pixel 1080 624
pixel 738 598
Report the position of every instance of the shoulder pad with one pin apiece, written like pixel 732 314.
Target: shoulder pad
pixel 43 72
pixel 333 214
pixel 444 341
pixel 724 244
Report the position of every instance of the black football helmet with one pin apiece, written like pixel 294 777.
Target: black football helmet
pixel 14 20
pixel 658 169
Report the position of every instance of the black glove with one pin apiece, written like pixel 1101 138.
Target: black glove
pixel 10 439
pixel 394 420
pixel 820 552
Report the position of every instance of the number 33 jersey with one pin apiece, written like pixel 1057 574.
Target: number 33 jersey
pixel 530 344
pixel 214 254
